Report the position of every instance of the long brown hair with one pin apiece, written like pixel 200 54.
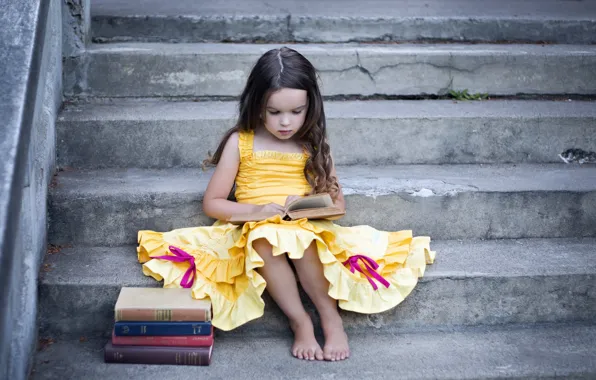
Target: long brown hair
pixel 286 68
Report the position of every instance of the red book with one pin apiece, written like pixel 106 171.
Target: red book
pixel 199 356
pixel 180 341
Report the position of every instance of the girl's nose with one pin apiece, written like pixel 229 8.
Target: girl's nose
pixel 285 120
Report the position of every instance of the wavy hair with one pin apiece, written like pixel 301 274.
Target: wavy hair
pixel 286 68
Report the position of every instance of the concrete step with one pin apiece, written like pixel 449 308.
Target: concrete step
pixel 539 352
pixel 471 283
pixel 155 134
pixel 345 21
pixel 191 70
pixel 108 207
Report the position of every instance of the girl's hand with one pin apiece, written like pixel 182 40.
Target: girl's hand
pixel 291 198
pixel 273 207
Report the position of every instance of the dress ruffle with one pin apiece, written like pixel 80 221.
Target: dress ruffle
pixel 226 268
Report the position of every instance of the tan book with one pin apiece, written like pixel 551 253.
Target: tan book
pixel 160 304
pixel 319 206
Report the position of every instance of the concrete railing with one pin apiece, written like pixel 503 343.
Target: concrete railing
pixel 30 95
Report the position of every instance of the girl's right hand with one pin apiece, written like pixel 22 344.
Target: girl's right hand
pixel 273 207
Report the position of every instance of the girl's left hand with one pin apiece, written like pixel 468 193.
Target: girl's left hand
pixel 291 198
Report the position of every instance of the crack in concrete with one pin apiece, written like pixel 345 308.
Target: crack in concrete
pixel 289 29
pixel 75 8
pixel 355 67
pixel 450 68
pixel 362 68
pixel 449 86
pixel 445 90
pixel 489 230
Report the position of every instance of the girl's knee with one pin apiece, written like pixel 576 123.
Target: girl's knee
pixel 311 252
pixel 261 244
pixel 312 248
pixel 263 248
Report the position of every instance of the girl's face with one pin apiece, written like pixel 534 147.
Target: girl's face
pixel 285 112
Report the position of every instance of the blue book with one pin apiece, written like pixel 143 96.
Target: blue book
pixel 128 328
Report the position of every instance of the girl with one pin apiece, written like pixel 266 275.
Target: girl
pixel 278 151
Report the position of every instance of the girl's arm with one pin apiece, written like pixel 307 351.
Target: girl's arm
pixel 215 202
pixel 339 201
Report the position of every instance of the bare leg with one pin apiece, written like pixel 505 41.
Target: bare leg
pixel 281 284
pixel 310 273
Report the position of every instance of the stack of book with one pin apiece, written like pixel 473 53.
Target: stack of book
pixel 160 326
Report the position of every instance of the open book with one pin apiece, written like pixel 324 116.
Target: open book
pixel 319 206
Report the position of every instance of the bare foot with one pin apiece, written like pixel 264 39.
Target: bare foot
pixel 305 344
pixel 336 340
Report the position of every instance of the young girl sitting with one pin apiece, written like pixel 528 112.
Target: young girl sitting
pixel 278 151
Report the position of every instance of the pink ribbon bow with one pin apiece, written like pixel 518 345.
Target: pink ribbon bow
pixel 181 256
pixel 370 266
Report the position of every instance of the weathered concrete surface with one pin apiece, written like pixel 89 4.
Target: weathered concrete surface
pixel 511 352
pixel 76 26
pixel 345 21
pixel 108 207
pixel 30 95
pixel 471 283
pixel 187 70
pixel 151 134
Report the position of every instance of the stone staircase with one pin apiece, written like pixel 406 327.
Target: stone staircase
pixel 513 291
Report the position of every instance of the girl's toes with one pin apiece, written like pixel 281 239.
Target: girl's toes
pixel 319 354
pixel 311 354
pixel 333 356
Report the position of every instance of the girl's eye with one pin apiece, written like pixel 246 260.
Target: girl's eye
pixel 277 112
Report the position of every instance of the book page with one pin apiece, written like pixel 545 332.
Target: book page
pixel 158 298
pixel 310 202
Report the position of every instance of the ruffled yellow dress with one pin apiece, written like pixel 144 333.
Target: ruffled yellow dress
pixel 369 271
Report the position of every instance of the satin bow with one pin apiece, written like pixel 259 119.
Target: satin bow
pixel 370 266
pixel 181 256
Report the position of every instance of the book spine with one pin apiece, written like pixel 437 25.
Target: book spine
pixel 128 328
pixel 168 341
pixel 177 315
pixel 198 356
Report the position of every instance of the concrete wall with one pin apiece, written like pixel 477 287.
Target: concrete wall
pixel 32 236
pixel 76 26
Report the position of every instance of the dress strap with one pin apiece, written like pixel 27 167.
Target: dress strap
pixel 245 143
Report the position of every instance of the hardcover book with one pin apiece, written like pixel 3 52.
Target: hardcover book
pixel 199 356
pixel 130 328
pixel 160 304
pixel 179 341
pixel 319 206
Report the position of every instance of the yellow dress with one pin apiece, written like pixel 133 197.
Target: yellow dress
pixel 218 262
